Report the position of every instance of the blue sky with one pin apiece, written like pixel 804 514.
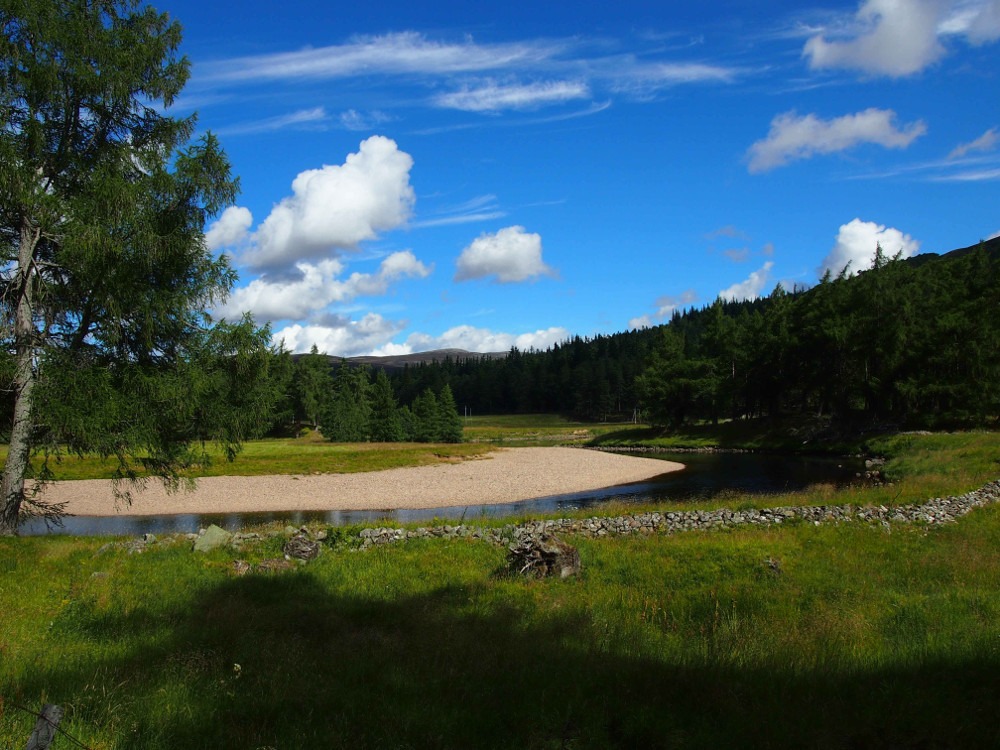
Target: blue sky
pixel 482 175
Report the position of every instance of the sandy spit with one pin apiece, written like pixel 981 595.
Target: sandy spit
pixel 503 476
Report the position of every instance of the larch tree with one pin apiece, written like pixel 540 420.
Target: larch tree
pixel 105 274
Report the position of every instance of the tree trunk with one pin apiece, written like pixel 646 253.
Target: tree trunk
pixel 12 487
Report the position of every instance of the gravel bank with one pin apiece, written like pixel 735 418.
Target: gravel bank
pixel 503 476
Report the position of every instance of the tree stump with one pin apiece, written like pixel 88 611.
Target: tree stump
pixel 542 557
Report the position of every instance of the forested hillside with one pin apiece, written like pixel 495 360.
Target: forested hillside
pixel 905 342
pixel 913 341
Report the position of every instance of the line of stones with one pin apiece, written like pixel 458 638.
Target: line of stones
pixel 939 510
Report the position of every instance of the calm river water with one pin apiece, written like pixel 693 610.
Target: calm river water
pixel 705 476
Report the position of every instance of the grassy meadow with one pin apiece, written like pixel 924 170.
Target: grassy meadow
pixel 308 454
pixel 800 636
pixel 534 429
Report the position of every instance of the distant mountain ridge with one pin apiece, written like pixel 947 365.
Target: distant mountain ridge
pixel 396 362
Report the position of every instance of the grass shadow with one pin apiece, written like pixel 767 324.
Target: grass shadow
pixel 288 661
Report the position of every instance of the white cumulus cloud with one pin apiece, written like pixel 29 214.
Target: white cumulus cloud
pixel 316 286
pixel 337 207
pixel 893 38
pixel 510 255
pixel 474 339
pixel 751 287
pixel 230 229
pixel 348 338
pixel 856 242
pixel 795 137
pixel 897 38
pixel 977 20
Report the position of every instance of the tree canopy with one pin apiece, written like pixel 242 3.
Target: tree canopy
pixel 105 274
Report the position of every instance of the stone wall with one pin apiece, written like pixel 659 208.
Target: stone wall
pixel 938 510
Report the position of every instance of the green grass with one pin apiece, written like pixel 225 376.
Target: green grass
pixel 534 429
pixel 801 636
pixel 305 455
pixel 793 434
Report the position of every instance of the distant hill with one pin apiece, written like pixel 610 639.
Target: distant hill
pixel 397 362
pixel 991 246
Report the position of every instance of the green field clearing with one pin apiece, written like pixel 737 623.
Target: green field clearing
pixel 304 455
pixel 535 429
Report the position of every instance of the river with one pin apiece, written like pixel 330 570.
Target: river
pixel 706 475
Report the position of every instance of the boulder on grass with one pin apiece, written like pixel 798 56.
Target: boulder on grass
pixel 213 538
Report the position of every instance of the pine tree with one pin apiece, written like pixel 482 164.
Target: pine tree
pixel 105 274
pixel 449 423
pixel 426 417
pixel 386 425
pixel 347 416
pixel 313 386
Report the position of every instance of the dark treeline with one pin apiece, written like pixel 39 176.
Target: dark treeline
pixel 357 404
pixel 591 378
pixel 913 342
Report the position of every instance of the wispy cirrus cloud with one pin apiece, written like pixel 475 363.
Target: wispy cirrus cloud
pixel 480 208
pixel 988 141
pixel 490 96
pixel 472 76
pixel 630 76
pixel 969 175
pixel 405 52
pixel 352 119
pixel 314 117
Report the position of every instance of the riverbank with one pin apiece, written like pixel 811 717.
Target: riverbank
pixel 502 476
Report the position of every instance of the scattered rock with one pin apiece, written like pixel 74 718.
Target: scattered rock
pixel 213 538
pixel 932 512
pixel 241 567
pixel 301 547
pixel 275 566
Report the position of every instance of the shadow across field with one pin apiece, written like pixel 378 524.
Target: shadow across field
pixel 455 668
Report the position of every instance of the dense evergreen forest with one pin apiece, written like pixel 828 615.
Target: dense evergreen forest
pixel 357 404
pixel 914 342
pixel 911 343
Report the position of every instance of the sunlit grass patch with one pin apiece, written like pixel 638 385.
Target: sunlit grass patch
pixel 289 456
pixel 533 429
